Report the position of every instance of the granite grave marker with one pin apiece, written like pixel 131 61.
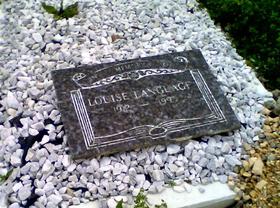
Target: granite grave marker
pixel 142 102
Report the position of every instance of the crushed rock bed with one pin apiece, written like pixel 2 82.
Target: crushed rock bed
pixel 33 142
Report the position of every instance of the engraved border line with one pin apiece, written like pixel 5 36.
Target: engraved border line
pixel 92 137
pixel 214 100
pixel 115 141
pixel 84 122
pixel 203 92
pixel 83 118
pixel 73 97
pixel 206 92
pixel 210 100
pixel 105 82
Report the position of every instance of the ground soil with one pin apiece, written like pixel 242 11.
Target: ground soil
pixel 258 184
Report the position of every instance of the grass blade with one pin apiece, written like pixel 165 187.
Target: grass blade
pixel 50 9
pixel 70 11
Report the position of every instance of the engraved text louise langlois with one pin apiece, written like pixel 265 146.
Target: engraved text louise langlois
pixel 162 93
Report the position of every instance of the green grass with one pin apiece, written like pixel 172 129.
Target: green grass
pixel 254 27
pixel 142 202
pixel 62 12
pixel 3 178
pixel 171 183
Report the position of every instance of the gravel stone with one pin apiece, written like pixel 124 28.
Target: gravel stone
pixel 14 205
pixel 180 171
pixel 226 148
pixel 24 192
pixel 56 199
pixel 158 175
pixel 33 132
pixel 195 156
pixel 117 169
pixel 188 149
pixel 105 161
pixel 231 160
pixel 39 192
pixel 71 168
pixel 173 149
pixel 38 126
pixel 158 160
pixel 17 186
pixel 45 139
pixel 146 185
pixel 37 37
pixel 172 167
pixel 73 178
pixel 11 101
pixel 48 187
pixel 203 162
pixel 76 201
pixel 15 160
pixel 47 166
pixel 112 203
pixel 66 161
pixel 258 167
pixel 126 179
pixel 223 178
pixel 140 179
pixel 95 164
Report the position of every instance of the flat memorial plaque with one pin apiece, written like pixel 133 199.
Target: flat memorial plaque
pixel 129 104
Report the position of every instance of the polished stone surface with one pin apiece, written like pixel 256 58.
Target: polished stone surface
pixel 120 106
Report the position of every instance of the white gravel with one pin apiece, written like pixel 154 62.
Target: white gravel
pixel 32 44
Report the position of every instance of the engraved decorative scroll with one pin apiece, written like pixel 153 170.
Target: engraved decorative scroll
pixel 132 75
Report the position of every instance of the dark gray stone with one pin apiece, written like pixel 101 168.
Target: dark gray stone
pixel 124 105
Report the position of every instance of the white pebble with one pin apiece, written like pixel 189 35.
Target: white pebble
pixel 158 175
pixel 24 192
pixel 17 186
pixel 66 160
pixel 47 166
pixel 11 101
pixel 33 132
pixel 173 149
pixel 15 160
pixel 37 37
pixel 45 139
pixel 71 168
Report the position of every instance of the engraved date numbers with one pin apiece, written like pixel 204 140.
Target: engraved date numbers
pixel 123 108
pixel 168 99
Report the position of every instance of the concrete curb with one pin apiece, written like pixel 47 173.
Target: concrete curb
pixel 215 195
